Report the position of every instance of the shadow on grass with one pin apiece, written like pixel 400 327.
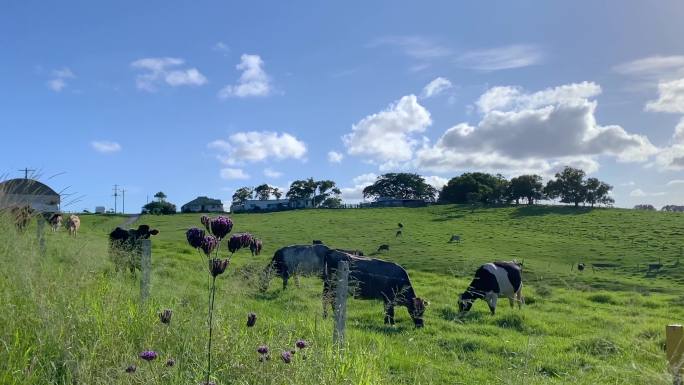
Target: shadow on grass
pixel 377 326
pixel 453 315
pixel 535 211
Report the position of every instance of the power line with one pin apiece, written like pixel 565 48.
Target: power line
pixel 116 195
pixel 26 171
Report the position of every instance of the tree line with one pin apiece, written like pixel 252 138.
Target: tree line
pixel 321 193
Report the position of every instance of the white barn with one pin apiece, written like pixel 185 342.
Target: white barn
pixel 29 192
pixel 203 205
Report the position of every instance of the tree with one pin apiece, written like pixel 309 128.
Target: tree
pixel 277 193
pixel 242 195
pixel 302 189
pixel 569 186
pixel 331 203
pixel 529 187
pixel 646 207
pixel 327 189
pixel 160 196
pixel 159 208
pixel 401 186
pixel 263 192
pixel 597 192
pixel 475 187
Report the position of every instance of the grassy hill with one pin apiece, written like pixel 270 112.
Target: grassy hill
pixel 68 317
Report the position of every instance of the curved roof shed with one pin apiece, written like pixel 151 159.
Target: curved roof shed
pixel 22 192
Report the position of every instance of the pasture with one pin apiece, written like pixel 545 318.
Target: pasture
pixel 69 318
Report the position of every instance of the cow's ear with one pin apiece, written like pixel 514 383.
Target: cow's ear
pixel 154 232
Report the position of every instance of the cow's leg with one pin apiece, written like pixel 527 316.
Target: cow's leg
pixel 511 300
pixel 389 313
pixel 327 298
pixel 491 301
pixel 286 276
pixel 520 298
pixel 296 277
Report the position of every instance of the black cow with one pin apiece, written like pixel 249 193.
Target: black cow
pixel 317 242
pixel 125 246
pixel 383 248
pixel 374 279
pixel 295 260
pixel 491 281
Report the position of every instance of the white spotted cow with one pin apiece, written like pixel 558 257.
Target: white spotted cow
pixel 494 280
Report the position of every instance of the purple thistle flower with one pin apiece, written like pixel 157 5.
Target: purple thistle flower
pixel 263 350
pixel 221 226
pixel 218 266
pixel 301 344
pixel 286 356
pixel 170 362
pixel 205 221
pixel 131 369
pixel 251 319
pixel 165 316
pixel 148 355
pixel 209 243
pixel 195 237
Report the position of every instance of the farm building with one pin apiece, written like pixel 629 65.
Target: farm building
pixel 26 191
pixel 203 205
pixel 270 205
pixel 395 202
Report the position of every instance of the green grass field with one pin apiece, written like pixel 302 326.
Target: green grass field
pixel 70 318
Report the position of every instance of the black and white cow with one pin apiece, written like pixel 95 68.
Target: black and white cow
pixel 295 260
pixel 374 279
pixel 124 246
pixel 493 280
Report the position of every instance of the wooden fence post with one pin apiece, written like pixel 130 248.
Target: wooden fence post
pixel 674 335
pixel 40 234
pixel 341 291
pixel 145 267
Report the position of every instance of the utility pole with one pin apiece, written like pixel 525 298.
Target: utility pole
pixel 26 171
pixel 123 201
pixel 116 195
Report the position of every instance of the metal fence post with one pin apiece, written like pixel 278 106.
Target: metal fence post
pixel 341 302
pixel 674 336
pixel 145 267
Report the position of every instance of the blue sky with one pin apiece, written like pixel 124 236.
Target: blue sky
pixel 201 98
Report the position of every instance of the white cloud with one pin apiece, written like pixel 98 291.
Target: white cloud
pixel 670 97
pixel 388 136
pixel 500 58
pixel 641 193
pixel 533 132
pixel 105 147
pixel 436 87
pixel 335 157
pixel 59 79
pixel 355 192
pixel 165 70
pixel 628 184
pixel 417 47
pixel 672 157
pixel 253 82
pixel 272 173
pixel 256 146
pixel 436 181
pixel 675 182
pixel 654 67
pixel 221 47
pixel 233 173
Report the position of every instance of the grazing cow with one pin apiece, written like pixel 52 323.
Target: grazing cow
pixel 55 221
pixel 317 242
pixel 455 238
pixel 580 266
pixel 22 216
pixel 295 260
pixel 400 225
pixel 374 279
pixel 383 248
pixel 255 246
pixel 398 233
pixel 125 246
pixel 72 224
pixel 491 281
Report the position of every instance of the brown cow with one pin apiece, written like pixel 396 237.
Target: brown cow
pixel 22 216
pixel 72 224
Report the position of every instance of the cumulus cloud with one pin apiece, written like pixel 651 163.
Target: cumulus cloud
pixel 335 157
pixel 269 172
pixel 436 181
pixel 256 146
pixel 672 157
pixel 389 135
pixel 501 58
pixel 355 192
pixel 670 97
pixel 233 173
pixel 254 81
pixel 641 193
pixel 533 132
pixel 436 87
pixel 59 79
pixel 165 70
pixel 105 147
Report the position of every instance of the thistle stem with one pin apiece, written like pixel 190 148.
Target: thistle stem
pixel 211 313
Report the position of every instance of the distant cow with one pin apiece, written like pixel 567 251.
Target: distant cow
pixel 55 221
pixel 22 216
pixel 398 233
pixel 317 242
pixel 455 238
pixel 383 248
pixel 374 279
pixel 125 246
pixel 296 260
pixel 73 223
pixel 400 225
pixel 491 281
pixel 255 246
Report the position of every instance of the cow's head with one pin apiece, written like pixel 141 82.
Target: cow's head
pixel 465 301
pixel 144 232
pixel 419 306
